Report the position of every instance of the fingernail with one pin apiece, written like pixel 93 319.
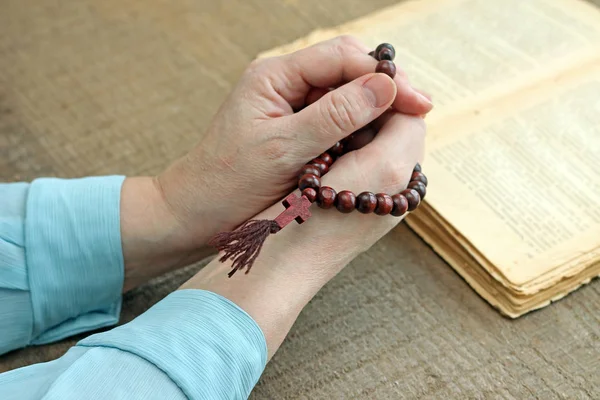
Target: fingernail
pixel 380 90
pixel 425 100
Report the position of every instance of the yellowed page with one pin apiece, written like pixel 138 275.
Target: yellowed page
pixel 521 179
pixel 461 51
pixel 444 241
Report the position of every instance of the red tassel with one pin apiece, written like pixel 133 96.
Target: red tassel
pixel 243 245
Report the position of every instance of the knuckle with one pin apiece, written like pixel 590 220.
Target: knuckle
pixel 342 45
pixel 348 41
pixel 340 110
pixel 257 66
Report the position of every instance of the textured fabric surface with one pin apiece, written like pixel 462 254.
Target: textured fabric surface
pixel 75 273
pixel 105 87
pixel 159 355
pixel 58 277
pixel 191 334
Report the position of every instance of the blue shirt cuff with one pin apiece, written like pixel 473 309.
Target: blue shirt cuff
pixel 74 257
pixel 205 343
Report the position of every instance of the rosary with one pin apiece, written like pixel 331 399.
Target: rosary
pixel 243 245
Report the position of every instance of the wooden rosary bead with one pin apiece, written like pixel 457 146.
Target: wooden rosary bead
pixel 322 165
pixel 309 169
pixel 327 158
pixel 419 187
pixel 326 197
pixel 310 193
pixel 386 54
pixel 385 204
pixel 400 205
pixel 413 198
pixel 345 201
pixel 419 176
pixel 382 46
pixel 359 139
pixel 309 181
pixel 387 67
pixel 337 149
pixel 366 202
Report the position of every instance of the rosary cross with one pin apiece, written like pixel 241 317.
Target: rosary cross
pixel 296 208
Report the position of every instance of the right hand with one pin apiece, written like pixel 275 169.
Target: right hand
pixel 297 261
pixel 254 147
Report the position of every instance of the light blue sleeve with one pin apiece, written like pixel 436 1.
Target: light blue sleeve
pixel 193 344
pixel 61 273
pixel 61 263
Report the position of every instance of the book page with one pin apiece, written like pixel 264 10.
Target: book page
pixel 461 51
pixel 521 180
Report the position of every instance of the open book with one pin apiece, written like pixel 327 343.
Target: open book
pixel 513 146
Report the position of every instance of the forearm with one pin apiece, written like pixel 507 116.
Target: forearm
pixel 290 270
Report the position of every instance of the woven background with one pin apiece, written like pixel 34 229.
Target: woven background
pixel 94 87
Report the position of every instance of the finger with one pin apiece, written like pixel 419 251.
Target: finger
pixel 315 94
pixel 335 62
pixel 340 112
pixel 410 100
pixel 424 93
pixel 330 63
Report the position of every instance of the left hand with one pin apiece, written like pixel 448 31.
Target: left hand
pixel 284 112
pixel 255 145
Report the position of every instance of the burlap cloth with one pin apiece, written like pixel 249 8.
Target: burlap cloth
pixel 95 87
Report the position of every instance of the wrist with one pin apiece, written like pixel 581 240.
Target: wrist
pixel 271 297
pixel 282 281
pixel 197 198
pixel 153 239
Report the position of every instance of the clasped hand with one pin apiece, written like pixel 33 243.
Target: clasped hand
pixel 284 111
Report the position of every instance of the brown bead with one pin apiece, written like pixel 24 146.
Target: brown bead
pixel 326 197
pixel 386 54
pixel 322 165
pixel 387 46
pixel 327 158
pixel 385 204
pixel 345 201
pixel 400 205
pixel 310 193
pixel 419 187
pixel 387 67
pixel 417 167
pixel 337 149
pixel 309 169
pixel 309 181
pixel 419 176
pixel 366 202
pixel 413 198
pixel 359 139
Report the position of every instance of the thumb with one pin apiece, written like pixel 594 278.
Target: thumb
pixel 340 112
